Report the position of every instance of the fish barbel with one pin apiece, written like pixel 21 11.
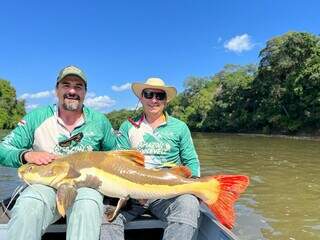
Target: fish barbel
pixel 121 174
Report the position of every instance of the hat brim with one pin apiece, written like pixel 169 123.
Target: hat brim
pixel 71 74
pixel 137 89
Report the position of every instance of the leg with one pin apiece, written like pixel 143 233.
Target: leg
pixel 33 212
pixel 84 216
pixel 181 214
pixel 115 229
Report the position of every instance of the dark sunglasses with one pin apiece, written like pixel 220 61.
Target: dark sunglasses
pixel 150 94
pixel 67 143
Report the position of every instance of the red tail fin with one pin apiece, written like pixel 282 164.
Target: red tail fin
pixel 230 188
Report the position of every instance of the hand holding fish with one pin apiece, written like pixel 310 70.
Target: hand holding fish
pixel 121 174
pixel 39 158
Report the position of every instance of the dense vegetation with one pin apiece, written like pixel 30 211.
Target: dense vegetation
pixel 281 94
pixel 11 109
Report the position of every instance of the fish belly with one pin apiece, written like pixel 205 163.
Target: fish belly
pixel 119 187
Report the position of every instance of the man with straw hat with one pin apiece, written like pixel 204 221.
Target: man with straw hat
pixel 165 141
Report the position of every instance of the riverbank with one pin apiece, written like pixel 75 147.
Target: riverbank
pixel 300 136
pixel 315 136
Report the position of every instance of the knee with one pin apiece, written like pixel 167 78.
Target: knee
pixel 88 202
pixel 188 203
pixel 29 209
pixel 34 201
pixel 87 207
pixel 185 209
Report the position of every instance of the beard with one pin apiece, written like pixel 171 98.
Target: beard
pixel 71 102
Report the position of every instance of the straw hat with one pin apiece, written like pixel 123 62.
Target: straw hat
pixel 155 83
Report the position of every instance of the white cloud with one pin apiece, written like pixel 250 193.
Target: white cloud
pixel 90 94
pixel 32 106
pixel 43 94
pixel 121 88
pixel 239 44
pixel 99 102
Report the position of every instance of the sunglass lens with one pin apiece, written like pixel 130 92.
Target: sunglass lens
pixel 147 94
pixel 160 95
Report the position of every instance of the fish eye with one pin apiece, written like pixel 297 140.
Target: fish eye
pixel 29 168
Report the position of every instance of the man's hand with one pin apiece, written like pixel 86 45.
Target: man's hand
pixel 39 158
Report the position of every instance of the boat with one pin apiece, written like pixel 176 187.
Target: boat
pixel 146 227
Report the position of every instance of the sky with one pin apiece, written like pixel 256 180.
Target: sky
pixel 120 42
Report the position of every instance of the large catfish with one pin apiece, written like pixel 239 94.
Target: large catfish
pixel 121 174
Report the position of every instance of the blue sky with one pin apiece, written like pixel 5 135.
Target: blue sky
pixel 120 42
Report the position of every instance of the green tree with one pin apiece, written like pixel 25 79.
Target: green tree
pixel 231 109
pixel 193 104
pixel 11 109
pixel 287 84
pixel 118 117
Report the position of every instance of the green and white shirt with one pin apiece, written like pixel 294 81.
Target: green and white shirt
pixel 43 130
pixel 168 145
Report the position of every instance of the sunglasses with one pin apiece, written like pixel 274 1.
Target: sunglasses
pixel 66 143
pixel 158 95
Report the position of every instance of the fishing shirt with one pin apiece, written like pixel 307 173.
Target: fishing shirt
pixel 170 144
pixel 43 130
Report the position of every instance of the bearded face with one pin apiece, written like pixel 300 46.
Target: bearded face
pixel 71 92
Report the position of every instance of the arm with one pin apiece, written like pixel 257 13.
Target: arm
pixel 13 146
pixel 15 149
pixel 188 153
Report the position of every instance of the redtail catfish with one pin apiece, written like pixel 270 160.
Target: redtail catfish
pixel 121 174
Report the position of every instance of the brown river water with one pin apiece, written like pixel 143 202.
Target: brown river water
pixel 283 199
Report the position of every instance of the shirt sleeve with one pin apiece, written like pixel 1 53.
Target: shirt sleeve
pixel 188 154
pixel 109 140
pixel 16 143
pixel 123 141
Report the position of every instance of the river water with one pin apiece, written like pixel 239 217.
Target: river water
pixel 283 199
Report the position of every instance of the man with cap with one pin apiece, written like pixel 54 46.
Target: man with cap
pixel 43 135
pixel 165 142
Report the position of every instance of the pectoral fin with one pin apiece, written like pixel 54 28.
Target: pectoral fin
pixel 72 173
pixel 111 212
pixel 66 194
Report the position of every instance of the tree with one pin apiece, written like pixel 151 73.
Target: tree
pixel 287 78
pixel 11 109
pixel 118 117
pixel 231 110
pixel 193 104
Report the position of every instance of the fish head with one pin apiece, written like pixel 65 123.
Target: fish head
pixel 51 174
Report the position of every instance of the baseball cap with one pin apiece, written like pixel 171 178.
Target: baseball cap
pixel 72 70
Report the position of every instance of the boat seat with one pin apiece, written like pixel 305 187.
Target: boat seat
pixel 146 221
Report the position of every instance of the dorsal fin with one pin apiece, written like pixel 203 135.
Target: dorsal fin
pixel 133 155
pixel 181 171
